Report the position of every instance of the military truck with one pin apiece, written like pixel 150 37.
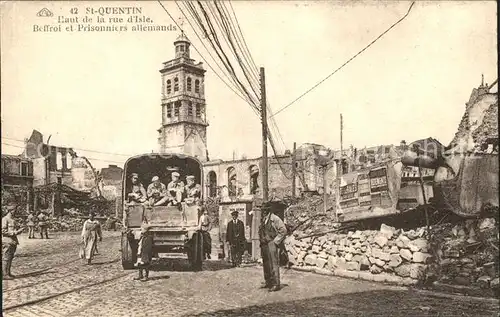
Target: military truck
pixel 174 226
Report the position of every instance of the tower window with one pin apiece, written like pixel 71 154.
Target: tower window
pixel 182 48
pixel 190 109
pixel 169 110
pixel 177 108
pixel 197 86
pixel 169 86
pixel 198 110
pixel 176 84
pixel 189 84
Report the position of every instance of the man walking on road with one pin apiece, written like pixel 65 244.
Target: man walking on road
pixel 9 241
pixel 272 232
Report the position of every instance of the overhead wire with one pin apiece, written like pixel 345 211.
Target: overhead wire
pixel 229 29
pixel 208 51
pixel 348 61
pixel 199 53
pixel 90 158
pixel 218 44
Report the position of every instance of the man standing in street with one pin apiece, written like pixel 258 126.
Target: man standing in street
pixel 30 222
pixel 9 241
pixel 42 224
pixel 272 232
pixel 235 236
pixel 205 226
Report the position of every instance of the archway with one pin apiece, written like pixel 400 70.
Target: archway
pixel 231 181
pixel 212 184
pixel 254 179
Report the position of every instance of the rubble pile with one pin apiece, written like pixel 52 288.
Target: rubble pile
pixel 396 255
pixel 467 253
pixel 66 223
pixel 307 215
pixel 486 131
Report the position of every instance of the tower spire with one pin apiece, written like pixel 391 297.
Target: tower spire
pixel 482 80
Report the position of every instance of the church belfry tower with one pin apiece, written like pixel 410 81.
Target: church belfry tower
pixel 183 120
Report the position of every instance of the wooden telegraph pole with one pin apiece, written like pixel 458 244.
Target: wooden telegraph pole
pixel 339 170
pixel 263 107
pixel 294 169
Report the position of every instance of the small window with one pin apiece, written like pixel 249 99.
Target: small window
pixel 198 110
pixel 190 109
pixel 182 48
pixel 177 108
pixel 169 110
pixel 197 86
pixel 176 84
pixel 189 84
pixel 169 86
pixel 24 168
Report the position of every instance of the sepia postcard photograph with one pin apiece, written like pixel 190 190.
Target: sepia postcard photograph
pixel 249 158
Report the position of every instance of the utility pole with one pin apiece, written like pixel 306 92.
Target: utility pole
pixel 294 169
pixel 325 196
pixel 339 170
pixel 263 107
pixel 341 147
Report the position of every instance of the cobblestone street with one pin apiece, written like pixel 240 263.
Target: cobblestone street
pixel 53 281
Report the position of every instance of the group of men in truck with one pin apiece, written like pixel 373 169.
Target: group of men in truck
pixel 157 194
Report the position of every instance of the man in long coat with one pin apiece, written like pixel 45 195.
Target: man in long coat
pixel 235 236
pixel 272 232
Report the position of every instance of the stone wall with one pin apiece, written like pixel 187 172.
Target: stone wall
pixel 393 254
pixel 404 257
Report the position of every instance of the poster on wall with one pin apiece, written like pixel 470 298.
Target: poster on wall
pixel 349 192
pixel 364 198
pixel 378 180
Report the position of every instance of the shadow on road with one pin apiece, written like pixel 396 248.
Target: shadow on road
pixel 163 277
pixel 182 265
pixel 35 273
pixel 369 303
pixel 103 263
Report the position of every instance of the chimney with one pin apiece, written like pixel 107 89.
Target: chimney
pixel 403 145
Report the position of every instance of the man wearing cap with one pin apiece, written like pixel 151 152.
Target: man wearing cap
pixel 9 240
pixel 175 189
pixel 157 192
pixel 235 236
pixel 193 190
pixel 272 232
pixel 138 193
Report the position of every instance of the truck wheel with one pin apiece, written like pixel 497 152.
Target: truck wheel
pixel 128 258
pixel 196 258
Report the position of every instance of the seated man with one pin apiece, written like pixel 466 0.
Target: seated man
pixel 175 189
pixel 157 192
pixel 193 190
pixel 137 193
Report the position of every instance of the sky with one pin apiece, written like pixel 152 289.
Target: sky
pixel 101 91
